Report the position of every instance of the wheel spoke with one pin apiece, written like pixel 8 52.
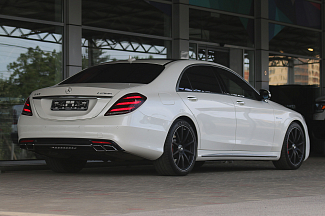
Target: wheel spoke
pixel 178 160
pixel 300 144
pixel 185 138
pixel 299 150
pixel 295 134
pixel 188 151
pixel 289 149
pixel 187 144
pixel 290 140
pixel 182 161
pixel 176 144
pixel 294 157
pixel 175 153
pixel 178 138
pixel 291 155
pixel 299 135
pixel 188 160
pixel 182 135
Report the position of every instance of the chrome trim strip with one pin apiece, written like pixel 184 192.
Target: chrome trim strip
pixel 71 97
pixel 237 155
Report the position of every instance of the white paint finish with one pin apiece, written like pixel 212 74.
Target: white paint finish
pixel 143 132
pixel 166 99
pixel 215 114
pixel 255 125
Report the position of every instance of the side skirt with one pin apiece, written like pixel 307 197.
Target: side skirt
pixel 204 155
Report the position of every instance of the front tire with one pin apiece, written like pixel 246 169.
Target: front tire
pixel 62 165
pixel 179 150
pixel 293 148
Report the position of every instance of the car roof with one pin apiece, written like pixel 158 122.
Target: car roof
pixel 150 61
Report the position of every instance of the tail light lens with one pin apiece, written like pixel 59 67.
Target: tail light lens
pixel 127 104
pixel 27 110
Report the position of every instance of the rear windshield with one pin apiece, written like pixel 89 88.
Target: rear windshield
pixel 142 73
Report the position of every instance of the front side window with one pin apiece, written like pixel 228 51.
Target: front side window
pixel 235 85
pixel 199 79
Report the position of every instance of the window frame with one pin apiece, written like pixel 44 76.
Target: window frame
pixel 194 65
pixel 221 84
pixel 226 90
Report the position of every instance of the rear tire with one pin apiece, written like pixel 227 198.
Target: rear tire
pixel 179 150
pixel 62 165
pixel 293 148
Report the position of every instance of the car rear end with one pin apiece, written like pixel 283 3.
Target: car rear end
pixel 92 115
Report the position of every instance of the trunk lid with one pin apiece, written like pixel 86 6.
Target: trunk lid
pixel 75 101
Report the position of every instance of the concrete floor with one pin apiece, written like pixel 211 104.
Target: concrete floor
pixel 239 188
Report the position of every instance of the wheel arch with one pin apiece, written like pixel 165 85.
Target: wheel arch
pixel 191 122
pixel 303 125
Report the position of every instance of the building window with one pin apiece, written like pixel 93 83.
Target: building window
pixel 50 10
pixel 285 70
pixel 220 28
pixel 147 17
pixel 99 47
pixel 286 39
pixel 249 67
pixel 302 12
pixel 30 58
pixel 236 6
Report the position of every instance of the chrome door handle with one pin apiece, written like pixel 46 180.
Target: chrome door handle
pixel 191 98
pixel 240 102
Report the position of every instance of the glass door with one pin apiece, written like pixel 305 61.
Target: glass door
pixel 217 55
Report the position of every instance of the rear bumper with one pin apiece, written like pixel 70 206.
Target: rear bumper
pixel 136 134
pixel 76 148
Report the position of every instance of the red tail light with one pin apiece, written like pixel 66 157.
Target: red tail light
pixel 26 141
pixel 27 110
pixel 126 104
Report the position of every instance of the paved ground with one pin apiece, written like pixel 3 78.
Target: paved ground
pixel 239 188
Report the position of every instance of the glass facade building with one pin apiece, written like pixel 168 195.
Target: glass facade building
pixel 268 42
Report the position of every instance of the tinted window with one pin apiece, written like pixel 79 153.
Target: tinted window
pixel 199 79
pixel 235 85
pixel 118 73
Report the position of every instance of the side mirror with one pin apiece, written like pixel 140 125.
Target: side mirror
pixel 265 94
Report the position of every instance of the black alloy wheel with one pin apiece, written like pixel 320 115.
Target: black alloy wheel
pixel 293 149
pixel 179 150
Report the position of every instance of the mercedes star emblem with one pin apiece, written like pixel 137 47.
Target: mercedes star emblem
pixel 68 90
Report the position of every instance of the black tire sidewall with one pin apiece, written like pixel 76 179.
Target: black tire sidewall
pixel 168 146
pixel 285 146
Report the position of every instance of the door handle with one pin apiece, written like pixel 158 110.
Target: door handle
pixel 191 98
pixel 240 102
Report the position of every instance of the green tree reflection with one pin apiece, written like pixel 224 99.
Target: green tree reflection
pixel 33 70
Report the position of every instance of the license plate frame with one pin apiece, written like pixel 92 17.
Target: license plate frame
pixel 69 105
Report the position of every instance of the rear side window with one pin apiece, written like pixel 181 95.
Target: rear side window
pixel 142 73
pixel 199 79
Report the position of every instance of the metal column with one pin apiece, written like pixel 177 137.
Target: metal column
pixel 72 58
pixel 262 44
pixel 180 29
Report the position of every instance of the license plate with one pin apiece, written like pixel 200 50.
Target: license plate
pixel 69 105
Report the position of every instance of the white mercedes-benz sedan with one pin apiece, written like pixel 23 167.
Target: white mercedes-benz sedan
pixel 175 113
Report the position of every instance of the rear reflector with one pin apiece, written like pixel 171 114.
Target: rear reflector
pixel 101 142
pixel 127 104
pixel 26 141
pixel 27 110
